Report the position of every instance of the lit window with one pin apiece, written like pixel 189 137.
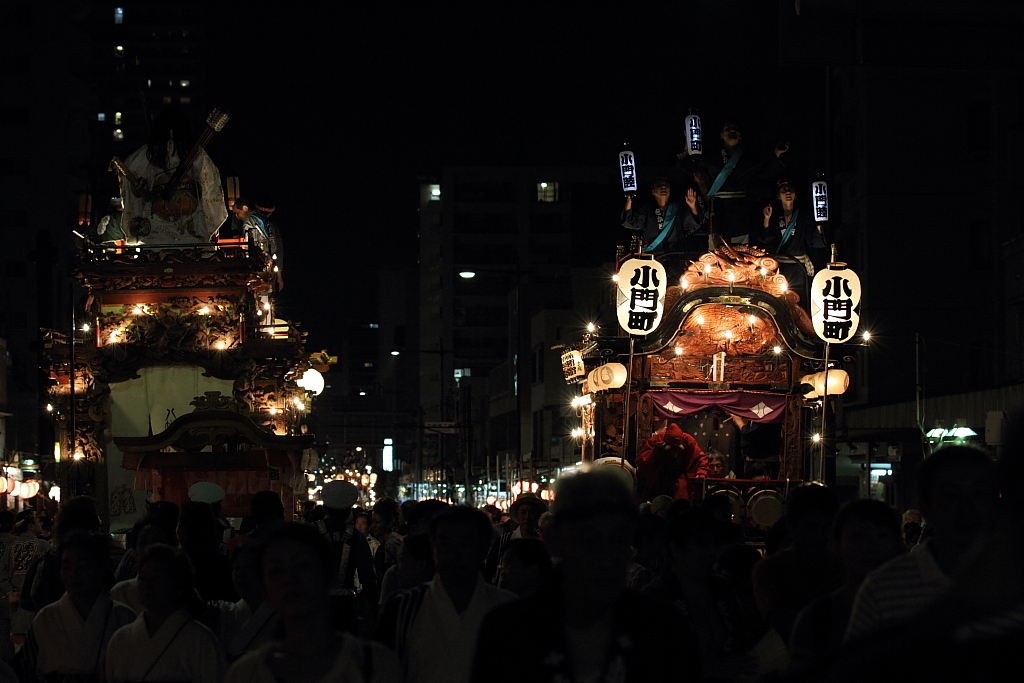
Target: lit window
pixel 367 364
pixel 184 83
pixel 186 100
pixel 119 15
pixel 149 82
pixel 117 118
pixel 120 50
pixel 547 192
pixel 118 134
pixel 101 116
pixel 435 193
pixel 373 326
pixel 167 100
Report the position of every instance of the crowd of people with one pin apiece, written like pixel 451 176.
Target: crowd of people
pixel 596 588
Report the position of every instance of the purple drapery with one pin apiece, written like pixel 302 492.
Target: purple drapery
pixel 756 406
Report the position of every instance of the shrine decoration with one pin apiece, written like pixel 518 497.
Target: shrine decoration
pixel 838 382
pixel 627 169
pixel 608 376
pixel 640 302
pixel 572 367
pixel 835 303
pixel 29 489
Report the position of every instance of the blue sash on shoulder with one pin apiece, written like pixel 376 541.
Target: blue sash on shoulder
pixel 723 175
pixel 666 227
pixel 789 228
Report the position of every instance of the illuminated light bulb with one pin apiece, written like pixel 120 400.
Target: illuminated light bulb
pixel 700 320
pixel 273 411
pixel 777 349
pixel 683 283
pixel 728 334
pixel 784 286
pixel 205 310
pixel 266 307
pixel 732 276
pixel 78 455
pixel 275 269
pixel 85 327
pixel 115 336
pixel 137 310
pixel 591 327
pixel 867 336
pixel 679 350
pixel 753 320
pixel 49 407
pixel 816 438
pixel 274 257
pixel 764 271
pixel 615 278
pixel 221 345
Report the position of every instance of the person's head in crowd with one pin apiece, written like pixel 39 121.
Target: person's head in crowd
pixel 209 493
pixel 404 510
pixel 338 497
pixel 246 575
pixel 386 518
pixel 526 511
pixel 265 508
pixel 315 513
pixel 26 522
pixel 718 467
pixel 661 189
pixel 198 531
pixel 493 512
pixel 166 580
pixel 419 517
pixel 296 569
pixel 84 558
pixel 810 513
pixel 595 517
pixel 959 494
pixel 461 538
pixel 913 516
pixel 911 535
pixel 756 469
pixel 362 522
pixel 77 514
pixel 6 521
pixel 149 531
pixel 242 208
pixel 265 205
pixel 731 133
pixel 866 535
pixel 415 561
pixel 676 507
pixel 786 192
pixel 164 511
pixel 660 505
pixel 649 540
pixel 718 506
pixel 543 525
pixel 525 566
pixel 693 538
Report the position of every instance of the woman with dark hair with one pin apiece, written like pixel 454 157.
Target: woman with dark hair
pixel 865 535
pixel 297 573
pixel 164 643
pixel 386 518
pixel 71 635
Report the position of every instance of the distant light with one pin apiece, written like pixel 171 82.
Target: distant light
pixel 866 336
pixel 205 310
pixel 49 407
pixel 78 455
pixel 467 274
pixel 962 432
pixel 395 352
pixel 362 393
pixel 273 411
pixel 359 449
pixel 591 327
pixel 728 334
pixel 679 350
pixel 777 349
pixel 752 319
pixel 85 327
pixel 816 438
pixel 615 278
pixel 543 184
pixel 138 310
pixel 221 345
pixel 266 307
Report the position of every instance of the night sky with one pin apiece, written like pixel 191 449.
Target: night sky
pixel 336 109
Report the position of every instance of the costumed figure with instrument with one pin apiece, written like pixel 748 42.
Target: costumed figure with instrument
pixel 171 187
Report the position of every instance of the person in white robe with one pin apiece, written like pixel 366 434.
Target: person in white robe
pixel 189 213
pixel 164 643
pixel 296 573
pixel 146 532
pixel 69 637
pixel 245 625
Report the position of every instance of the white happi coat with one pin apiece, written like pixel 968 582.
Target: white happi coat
pixel 182 649
pixel 127 593
pixel 66 643
pixel 239 630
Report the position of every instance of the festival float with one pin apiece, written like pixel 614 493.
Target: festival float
pixel 174 369
pixel 726 341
